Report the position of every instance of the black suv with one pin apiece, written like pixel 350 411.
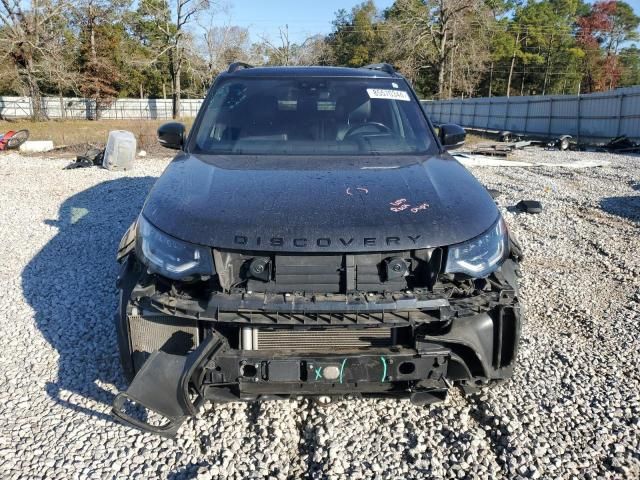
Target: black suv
pixel 312 238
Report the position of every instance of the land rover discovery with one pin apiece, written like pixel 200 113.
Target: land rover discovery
pixel 312 237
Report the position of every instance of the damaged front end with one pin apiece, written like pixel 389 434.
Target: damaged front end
pixel 255 325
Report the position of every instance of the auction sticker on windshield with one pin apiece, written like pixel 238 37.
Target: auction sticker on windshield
pixel 388 94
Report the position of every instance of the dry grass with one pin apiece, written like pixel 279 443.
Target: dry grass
pixel 82 132
pixel 472 139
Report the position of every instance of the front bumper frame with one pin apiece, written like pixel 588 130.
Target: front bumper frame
pixel 478 345
pixel 175 386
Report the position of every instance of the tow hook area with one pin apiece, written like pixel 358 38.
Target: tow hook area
pixel 167 387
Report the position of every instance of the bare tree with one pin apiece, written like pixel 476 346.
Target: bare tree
pixel 285 52
pixel 224 45
pixel 27 34
pixel 172 19
pixel 427 30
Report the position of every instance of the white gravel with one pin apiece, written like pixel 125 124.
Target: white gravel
pixel 571 410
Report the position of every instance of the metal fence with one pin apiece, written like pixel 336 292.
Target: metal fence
pixel 594 117
pixel 82 108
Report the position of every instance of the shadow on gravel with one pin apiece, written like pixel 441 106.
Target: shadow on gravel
pixel 70 284
pixel 625 207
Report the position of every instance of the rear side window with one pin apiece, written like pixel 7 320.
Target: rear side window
pixel 312 116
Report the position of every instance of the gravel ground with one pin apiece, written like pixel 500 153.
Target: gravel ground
pixel 572 409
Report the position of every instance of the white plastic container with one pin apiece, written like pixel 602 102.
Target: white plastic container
pixel 120 150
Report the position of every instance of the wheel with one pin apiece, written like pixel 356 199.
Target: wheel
pixel 18 139
pixel 563 142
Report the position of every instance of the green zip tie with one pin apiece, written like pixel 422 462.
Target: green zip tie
pixel 342 369
pixel 384 368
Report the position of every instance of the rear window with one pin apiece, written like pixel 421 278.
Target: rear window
pixel 312 116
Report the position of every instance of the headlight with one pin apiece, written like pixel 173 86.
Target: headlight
pixel 171 257
pixel 480 256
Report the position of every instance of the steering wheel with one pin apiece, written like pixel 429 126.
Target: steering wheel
pixel 382 128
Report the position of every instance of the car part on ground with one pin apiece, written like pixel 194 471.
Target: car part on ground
pixel 529 206
pixel 13 139
pixel 91 158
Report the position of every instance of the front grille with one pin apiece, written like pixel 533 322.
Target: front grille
pixel 331 273
pixel 334 339
pixel 307 273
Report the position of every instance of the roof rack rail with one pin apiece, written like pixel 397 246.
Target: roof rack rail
pixel 238 66
pixel 384 67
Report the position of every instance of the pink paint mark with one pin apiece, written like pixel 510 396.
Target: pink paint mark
pixel 349 191
pixel 397 203
pixel 422 206
pixel 363 189
pixel 400 208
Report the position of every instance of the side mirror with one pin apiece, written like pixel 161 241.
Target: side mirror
pixel 451 136
pixel 171 135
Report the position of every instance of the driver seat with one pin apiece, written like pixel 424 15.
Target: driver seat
pixel 357 116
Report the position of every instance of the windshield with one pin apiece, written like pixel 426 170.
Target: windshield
pixel 312 116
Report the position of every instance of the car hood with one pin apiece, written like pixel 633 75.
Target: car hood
pixel 319 204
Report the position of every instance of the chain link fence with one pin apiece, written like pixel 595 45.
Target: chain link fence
pixel 60 108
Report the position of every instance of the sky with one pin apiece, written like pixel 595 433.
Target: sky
pixel 304 17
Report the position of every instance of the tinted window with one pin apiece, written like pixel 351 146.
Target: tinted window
pixel 312 116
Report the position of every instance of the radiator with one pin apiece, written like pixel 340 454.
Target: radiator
pixel 326 340
pixel 150 333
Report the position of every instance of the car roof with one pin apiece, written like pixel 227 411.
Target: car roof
pixel 309 72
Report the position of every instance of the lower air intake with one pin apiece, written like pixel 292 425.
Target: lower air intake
pixel 326 340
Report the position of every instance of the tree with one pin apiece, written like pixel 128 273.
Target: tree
pixel 432 30
pixel 607 26
pixel 630 60
pixel 28 38
pixel 99 38
pixel 357 38
pixel 312 51
pixel 168 22
pixel 224 45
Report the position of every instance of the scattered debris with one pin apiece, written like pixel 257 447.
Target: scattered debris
pixel 529 206
pixel 578 164
pixel 90 158
pixel 11 139
pixel 493 149
pixel 36 146
pixel 622 144
pixel 480 161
